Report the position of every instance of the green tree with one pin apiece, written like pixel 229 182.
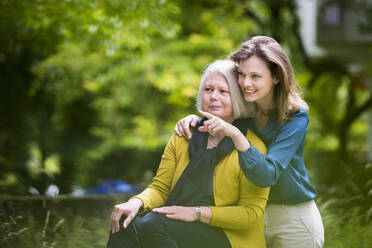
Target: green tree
pixel 91 90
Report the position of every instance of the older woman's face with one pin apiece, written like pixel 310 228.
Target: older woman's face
pixel 216 97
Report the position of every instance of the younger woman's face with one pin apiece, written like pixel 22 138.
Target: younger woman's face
pixel 216 97
pixel 256 82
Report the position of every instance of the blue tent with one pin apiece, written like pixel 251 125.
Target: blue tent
pixel 113 187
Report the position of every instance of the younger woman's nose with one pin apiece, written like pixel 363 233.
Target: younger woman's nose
pixel 246 82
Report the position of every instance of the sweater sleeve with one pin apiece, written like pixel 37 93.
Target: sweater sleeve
pixel 265 169
pixel 249 210
pixel 251 203
pixel 157 193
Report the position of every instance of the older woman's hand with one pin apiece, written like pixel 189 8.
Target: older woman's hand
pixel 186 214
pixel 215 125
pixel 129 208
pixel 183 126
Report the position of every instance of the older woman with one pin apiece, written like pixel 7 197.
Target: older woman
pixel 199 196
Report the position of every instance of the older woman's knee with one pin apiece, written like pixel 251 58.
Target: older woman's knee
pixel 151 223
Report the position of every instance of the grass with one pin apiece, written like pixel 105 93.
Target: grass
pixel 56 223
pixel 347 228
pixel 83 223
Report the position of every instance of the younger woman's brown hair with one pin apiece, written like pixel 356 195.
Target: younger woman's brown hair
pixel 287 95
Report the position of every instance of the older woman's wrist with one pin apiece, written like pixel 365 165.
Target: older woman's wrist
pixel 137 203
pixel 206 215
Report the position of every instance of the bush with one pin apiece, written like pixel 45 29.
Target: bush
pixel 61 222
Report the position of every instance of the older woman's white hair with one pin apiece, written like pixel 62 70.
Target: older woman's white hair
pixel 228 70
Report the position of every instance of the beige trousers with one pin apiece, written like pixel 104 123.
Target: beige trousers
pixel 293 226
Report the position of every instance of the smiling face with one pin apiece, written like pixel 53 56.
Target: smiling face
pixel 216 97
pixel 256 82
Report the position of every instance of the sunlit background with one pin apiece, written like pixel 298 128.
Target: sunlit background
pixel 90 92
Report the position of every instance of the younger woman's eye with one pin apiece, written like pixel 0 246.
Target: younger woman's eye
pixel 256 76
pixel 241 74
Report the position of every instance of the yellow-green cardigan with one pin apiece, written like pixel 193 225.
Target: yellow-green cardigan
pixel 239 204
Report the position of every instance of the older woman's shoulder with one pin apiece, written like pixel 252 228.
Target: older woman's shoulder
pixel 256 141
pixel 180 140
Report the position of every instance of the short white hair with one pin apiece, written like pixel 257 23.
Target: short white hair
pixel 228 70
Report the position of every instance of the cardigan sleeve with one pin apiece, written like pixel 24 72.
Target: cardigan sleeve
pixel 157 193
pixel 249 210
pixel 265 169
pixel 251 203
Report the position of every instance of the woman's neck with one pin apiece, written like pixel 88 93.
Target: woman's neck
pixel 266 104
pixel 262 116
pixel 229 119
pixel 264 108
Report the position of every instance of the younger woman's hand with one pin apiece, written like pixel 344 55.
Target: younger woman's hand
pixel 182 127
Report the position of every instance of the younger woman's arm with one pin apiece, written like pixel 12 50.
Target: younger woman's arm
pixel 265 169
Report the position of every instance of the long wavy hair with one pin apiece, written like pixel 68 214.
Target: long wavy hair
pixel 287 95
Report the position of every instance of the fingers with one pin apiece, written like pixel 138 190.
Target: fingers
pixel 203 129
pixel 177 213
pixel 173 216
pixel 163 210
pixel 211 126
pixel 114 223
pixel 177 129
pixel 169 212
pixel 186 130
pixel 112 226
pixel 115 218
pixel 206 114
pixel 128 220
pixel 194 122
pixel 182 127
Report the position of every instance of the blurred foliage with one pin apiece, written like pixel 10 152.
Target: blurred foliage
pixel 104 84
pixel 73 222
pixel 91 90
pixel 46 223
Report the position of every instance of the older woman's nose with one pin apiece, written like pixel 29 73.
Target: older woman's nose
pixel 214 94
